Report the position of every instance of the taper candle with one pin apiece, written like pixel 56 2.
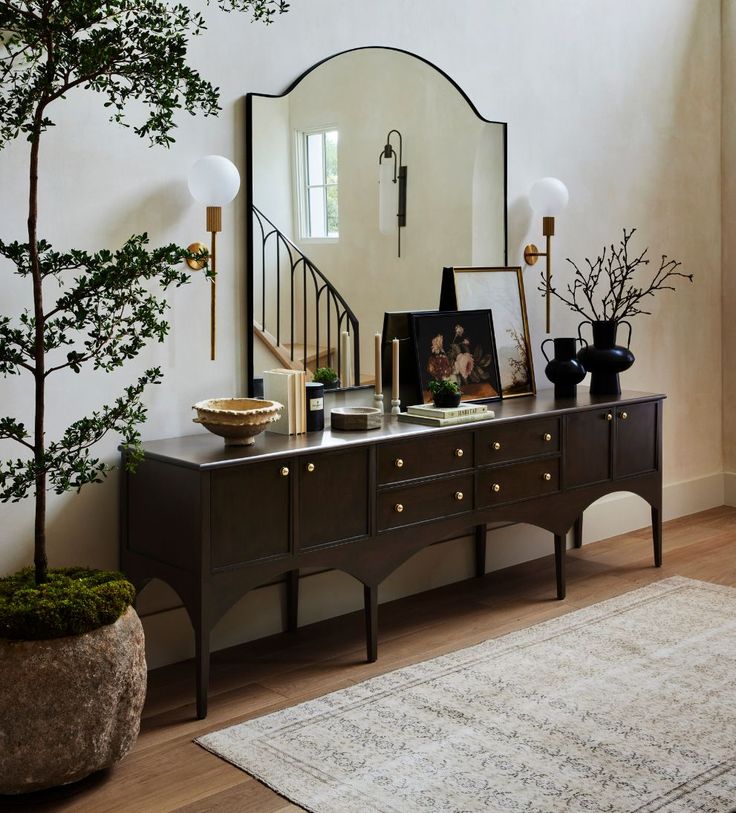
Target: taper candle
pixel 346 366
pixel 395 371
pixel 379 383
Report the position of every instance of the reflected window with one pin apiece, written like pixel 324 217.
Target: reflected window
pixel 318 209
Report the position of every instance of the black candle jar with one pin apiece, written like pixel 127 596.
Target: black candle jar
pixel 315 407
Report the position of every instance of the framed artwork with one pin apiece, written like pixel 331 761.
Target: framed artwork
pixel 500 289
pixel 457 346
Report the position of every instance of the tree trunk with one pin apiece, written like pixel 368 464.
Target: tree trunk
pixel 39 557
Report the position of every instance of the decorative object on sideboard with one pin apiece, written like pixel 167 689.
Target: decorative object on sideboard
pixel 563 369
pixel 315 406
pixel 397 325
pixel 457 346
pixel 378 373
pixel 288 388
pixel 392 188
pixel 548 197
pixel 502 290
pixel 445 393
pixel 356 419
pixel 213 181
pixel 432 415
pixel 237 420
pixel 395 390
pixel 608 293
pixel 327 377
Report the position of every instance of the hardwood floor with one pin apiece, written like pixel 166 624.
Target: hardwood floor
pixel 168 773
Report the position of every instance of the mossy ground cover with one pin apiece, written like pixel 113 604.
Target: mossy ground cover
pixel 73 601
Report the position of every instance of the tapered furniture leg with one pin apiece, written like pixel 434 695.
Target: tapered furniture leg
pixel 657 534
pixel 577 532
pixel 370 596
pixel 480 550
pixel 202 665
pixel 292 600
pixel 560 548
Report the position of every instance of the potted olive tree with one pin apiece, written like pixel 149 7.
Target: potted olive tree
pixel 73 674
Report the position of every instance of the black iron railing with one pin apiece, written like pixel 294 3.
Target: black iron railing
pixel 279 265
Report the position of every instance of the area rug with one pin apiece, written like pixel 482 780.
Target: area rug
pixel 628 705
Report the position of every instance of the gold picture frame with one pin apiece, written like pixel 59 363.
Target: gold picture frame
pixel 501 289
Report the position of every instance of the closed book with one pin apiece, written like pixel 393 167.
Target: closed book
pixel 432 411
pixel 426 420
pixel 278 385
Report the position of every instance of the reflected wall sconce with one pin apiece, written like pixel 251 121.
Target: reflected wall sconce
pixel 213 181
pixel 548 197
pixel 392 180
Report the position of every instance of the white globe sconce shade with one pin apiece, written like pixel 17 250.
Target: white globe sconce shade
pixel 214 180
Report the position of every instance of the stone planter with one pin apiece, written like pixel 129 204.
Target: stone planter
pixel 69 706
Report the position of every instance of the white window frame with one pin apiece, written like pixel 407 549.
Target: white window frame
pixel 301 182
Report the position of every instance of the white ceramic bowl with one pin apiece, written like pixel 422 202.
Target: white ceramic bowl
pixel 238 420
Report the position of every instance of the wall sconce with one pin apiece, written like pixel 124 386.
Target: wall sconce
pixel 213 181
pixel 391 176
pixel 548 197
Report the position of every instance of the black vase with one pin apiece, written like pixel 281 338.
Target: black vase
pixel 564 370
pixel 604 359
pixel 445 399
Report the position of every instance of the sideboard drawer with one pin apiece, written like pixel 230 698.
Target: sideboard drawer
pixel 250 514
pixel 425 456
pixel 520 481
pixel 432 500
pixel 517 440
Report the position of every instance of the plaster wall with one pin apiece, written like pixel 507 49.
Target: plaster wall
pixel 621 99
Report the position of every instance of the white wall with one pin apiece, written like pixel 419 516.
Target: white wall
pixel 619 98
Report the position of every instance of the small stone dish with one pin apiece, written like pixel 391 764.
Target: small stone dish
pixel 356 419
pixel 238 420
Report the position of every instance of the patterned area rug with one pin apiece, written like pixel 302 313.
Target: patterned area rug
pixel 628 705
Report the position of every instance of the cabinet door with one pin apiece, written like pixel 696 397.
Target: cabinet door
pixel 588 447
pixel 333 497
pixel 249 510
pixel 636 439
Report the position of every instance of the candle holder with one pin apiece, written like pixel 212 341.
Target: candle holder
pixel 396 406
pixel 378 400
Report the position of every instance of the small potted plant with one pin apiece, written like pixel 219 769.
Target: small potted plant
pixel 326 376
pixel 445 393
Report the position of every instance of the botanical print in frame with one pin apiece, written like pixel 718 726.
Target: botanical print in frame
pixel 457 346
pixel 502 290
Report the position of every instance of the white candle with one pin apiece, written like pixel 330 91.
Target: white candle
pixel 379 383
pixel 346 366
pixel 395 371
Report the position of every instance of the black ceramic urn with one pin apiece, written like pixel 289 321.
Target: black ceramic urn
pixel 604 359
pixel 564 370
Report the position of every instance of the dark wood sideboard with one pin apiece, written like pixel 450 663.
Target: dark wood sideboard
pixel 215 522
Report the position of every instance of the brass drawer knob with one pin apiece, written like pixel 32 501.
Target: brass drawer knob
pixel 285 471
pixel 547 437
pixel 496 487
pixel 609 416
pixel 495 445
pixel 311 467
pixel 399 463
pixel 459 495
pixel 546 476
pixel 459 452
pixel 624 416
pixel 398 508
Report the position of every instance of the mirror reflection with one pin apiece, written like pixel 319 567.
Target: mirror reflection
pixel 367 177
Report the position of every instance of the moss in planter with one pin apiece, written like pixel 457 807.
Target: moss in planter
pixel 73 601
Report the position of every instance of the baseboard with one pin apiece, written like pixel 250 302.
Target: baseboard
pixel 729 488
pixel 330 594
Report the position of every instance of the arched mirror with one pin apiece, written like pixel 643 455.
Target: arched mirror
pixel 367 176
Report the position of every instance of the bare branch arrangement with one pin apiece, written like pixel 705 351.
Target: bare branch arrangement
pixel 607 291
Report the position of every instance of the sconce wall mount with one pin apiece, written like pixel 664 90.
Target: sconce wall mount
pixel 392 171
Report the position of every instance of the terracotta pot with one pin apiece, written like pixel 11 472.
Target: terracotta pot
pixel 70 706
pixel 604 359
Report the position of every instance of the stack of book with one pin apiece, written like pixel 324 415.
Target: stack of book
pixel 288 387
pixel 430 415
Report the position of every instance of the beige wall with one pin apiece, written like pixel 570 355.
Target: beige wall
pixel 620 98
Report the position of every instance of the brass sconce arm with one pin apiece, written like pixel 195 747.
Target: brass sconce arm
pixel 532 254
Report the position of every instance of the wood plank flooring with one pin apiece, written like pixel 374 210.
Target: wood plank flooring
pixel 168 773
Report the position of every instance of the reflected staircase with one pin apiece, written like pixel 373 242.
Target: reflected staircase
pixel 299 315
